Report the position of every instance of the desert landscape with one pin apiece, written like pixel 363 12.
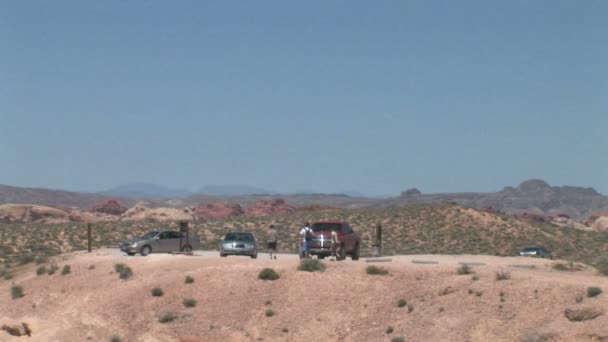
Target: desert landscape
pixel 205 298
pixel 448 272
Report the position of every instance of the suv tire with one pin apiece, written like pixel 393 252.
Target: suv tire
pixel 355 254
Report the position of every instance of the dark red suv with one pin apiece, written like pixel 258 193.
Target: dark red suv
pixel 320 245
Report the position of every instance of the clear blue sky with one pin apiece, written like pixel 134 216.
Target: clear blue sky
pixel 327 96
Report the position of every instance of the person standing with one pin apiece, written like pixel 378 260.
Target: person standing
pixel 272 242
pixel 306 233
pixel 335 244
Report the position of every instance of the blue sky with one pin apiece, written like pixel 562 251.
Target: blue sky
pixel 328 96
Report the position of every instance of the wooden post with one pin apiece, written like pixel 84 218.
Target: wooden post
pixel 89 235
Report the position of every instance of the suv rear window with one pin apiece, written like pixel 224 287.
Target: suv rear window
pixel 326 227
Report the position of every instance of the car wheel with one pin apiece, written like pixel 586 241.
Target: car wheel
pixel 187 249
pixel 145 250
pixel 320 257
pixel 355 253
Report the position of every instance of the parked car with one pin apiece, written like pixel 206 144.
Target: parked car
pixel 535 251
pixel 239 243
pixel 320 245
pixel 166 241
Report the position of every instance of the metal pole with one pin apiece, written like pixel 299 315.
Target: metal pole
pixel 89 236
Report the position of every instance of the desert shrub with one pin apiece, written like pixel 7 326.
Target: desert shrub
pixel 125 273
pixel 167 317
pixel 25 259
pixel 285 330
pixel 475 277
pixel 503 275
pixel 268 274
pixel 401 303
pixel 398 339
pixel 410 308
pixel 311 265
pixel 91 267
pixel 375 270
pixel 52 269
pixel 119 267
pixel 267 302
pixel 534 337
pixel 189 280
pixel 593 291
pixel 389 330
pixel 8 276
pixel 66 269
pixel 602 266
pixel 464 269
pixel 16 292
pixel 115 338
pixel 41 259
pixel 157 292
pixel 41 270
pixel 269 313
pixel 189 302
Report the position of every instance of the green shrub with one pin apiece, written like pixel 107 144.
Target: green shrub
pixel 268 274
pixel 593 291
pixel 503 275
pixel 389 330
pixel 401 303
pixel 16 292
pixel 167 317
pixel 311 265
pixel 189 302
pixel 269 313
pixel 41 270
pixel 464 269
pixel 125 273
pixel 157 292
pixel 66 269
pixel 189 280
pixel 375 270
pixel 119 267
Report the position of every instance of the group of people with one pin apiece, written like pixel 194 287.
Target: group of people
pixel 307 236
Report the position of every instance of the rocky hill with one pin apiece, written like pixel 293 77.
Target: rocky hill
pixel 532 196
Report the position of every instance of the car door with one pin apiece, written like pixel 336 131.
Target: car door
pixel 172 241
pixel 162 243
pixel 347 237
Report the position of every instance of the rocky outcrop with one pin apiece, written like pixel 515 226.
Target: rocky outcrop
pixel 142 213
pixel 411 192
pixel 108 206
pixel 600 224
pixel 24 213
pixel 219 210
pixel 269 207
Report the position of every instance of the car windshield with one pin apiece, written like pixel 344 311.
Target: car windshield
pixel 149 235
pixel 239 237
pixel 326 227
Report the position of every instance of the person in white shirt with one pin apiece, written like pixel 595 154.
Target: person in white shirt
pixel 306 233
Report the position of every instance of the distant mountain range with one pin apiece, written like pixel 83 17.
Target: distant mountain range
pixel 534 196
pixel 145 190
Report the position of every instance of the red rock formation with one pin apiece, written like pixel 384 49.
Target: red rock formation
pixel 219 210
pixel 269 207
pixel 108 206
pixel 529 217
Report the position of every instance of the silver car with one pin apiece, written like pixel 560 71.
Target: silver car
pixel 535 251
pixel 239 243
pixel 167 241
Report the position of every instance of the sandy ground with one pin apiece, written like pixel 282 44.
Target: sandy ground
pixel 343 303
